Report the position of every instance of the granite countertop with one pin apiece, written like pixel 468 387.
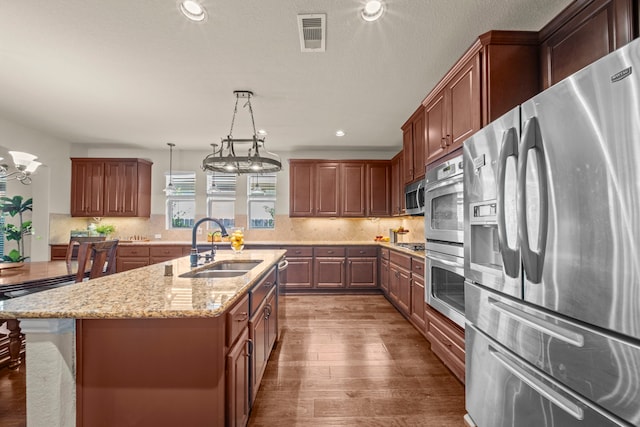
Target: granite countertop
pixel 145 293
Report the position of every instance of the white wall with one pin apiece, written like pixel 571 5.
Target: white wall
pixel 51 183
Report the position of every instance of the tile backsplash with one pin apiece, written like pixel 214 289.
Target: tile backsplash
pixel 287 229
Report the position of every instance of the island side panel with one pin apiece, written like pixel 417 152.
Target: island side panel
pixel 141 372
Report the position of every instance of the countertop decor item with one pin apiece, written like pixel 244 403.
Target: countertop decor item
pixel 224 158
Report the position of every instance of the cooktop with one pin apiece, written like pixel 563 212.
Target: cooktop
pixel 412 246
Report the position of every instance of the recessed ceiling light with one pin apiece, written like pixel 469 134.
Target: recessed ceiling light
pixel 193 10
pixel 372 10
pixel 339 133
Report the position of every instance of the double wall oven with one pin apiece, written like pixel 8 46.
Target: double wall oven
pixel 444 233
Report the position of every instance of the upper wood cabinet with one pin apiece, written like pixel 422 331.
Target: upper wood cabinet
pixel 110 187
pixel 397 185
pixel 320 188
pixel 378 188
pixel 497 73
pixel 413 140
pixel 353 189
pixel 583 33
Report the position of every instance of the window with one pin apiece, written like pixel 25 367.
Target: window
pixel 261 200
pixel 181 205
pixel 221 198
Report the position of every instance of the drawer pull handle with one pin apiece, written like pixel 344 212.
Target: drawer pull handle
pixel 298 252
pixel 329 252
pixel 242 316
pixel 362 252
pixel 267 284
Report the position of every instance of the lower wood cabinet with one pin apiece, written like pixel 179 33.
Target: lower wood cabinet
pixel 299 273
pixel 237 382
pixel 329 267
pixel 447 341
pixel 362 267
pixel 400 281
pixel 262 332
pixel 130 257
pixel 417 309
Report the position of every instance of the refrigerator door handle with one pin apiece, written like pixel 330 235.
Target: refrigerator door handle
pixel 510 257
pixel 541 325
pixel 533 260
pixel 559 399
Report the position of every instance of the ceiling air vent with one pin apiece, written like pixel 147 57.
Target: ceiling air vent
pixel 312 30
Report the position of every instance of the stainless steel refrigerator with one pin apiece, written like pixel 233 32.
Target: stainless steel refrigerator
pixel 552 255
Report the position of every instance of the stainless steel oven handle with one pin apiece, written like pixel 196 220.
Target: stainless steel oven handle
pixel 446 262
pixel 562 402
pixel 544 326
pixel 439 184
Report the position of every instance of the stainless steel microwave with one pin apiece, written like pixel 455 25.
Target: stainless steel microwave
pixel 414 198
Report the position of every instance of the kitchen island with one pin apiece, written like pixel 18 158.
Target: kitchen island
pixel 142 348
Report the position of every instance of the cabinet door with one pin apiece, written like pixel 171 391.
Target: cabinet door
pixel 599 29
pixel 237 383
pixel 272 322
pixel 329 272
pixel 419 159
pixel 379 189
pixel 258 335
pixel 407 153
pixel 436 133
pixel 87 188
pixel 417 303
pixel 463 106
pixel 352 188
pixel 299 274
pixel 384 275
pixel 301 189
pixel 397 185
pixel 362 272
pixel 121 188
pixel 404 290
pixel 327 194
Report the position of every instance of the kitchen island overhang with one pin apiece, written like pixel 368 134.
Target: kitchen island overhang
pixel 137 346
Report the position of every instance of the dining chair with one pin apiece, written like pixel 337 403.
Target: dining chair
pixel 101 256
pixel 76 241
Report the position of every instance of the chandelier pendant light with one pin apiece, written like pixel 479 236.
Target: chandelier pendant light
pixel 170 188
pixel 25 165
pixel 258 160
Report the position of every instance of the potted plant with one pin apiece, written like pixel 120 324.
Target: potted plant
pixel 105 229
pixel 13 206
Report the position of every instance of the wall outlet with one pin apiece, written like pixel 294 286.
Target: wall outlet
pixel 158 236
pixel 199 230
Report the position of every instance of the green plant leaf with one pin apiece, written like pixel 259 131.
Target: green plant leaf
pixel 14 256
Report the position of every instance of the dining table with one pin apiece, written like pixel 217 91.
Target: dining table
pixel 28 278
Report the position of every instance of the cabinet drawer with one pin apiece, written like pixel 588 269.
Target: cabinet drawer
pixel 135 251
pixel 417 267
pixel 299 252
pixel 258 293
pixel 446 341
pixel 166 251
pixel 402 260
pixel 363 251
pixel 332 251
pixel 384 253
pixel 237 320
pixel 445 326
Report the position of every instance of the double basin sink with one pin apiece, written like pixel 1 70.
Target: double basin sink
pixel 223 269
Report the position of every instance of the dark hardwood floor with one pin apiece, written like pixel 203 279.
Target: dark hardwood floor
pixel 342 360
pixel 13 406
pixel 346 360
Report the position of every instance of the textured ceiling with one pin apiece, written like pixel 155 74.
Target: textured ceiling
pixel 137 73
